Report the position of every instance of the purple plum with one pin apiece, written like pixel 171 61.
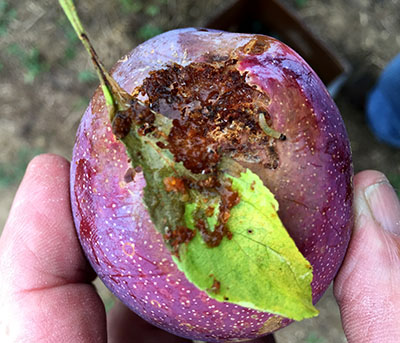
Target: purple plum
pixel 310 174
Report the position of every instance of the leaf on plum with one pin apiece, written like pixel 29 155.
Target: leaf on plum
pixel 260 267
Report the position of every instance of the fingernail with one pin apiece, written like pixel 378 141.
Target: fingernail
pixel 384 205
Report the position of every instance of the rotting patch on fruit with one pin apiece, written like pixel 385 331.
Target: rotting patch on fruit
pixel 214 112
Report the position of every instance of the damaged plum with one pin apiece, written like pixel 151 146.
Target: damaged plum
pixel 211 118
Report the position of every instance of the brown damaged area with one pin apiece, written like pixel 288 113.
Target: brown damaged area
pixel 213 238
pixel 257 45
pixel 174 184
pixel 228 199
pixel 215 113
pixel 216 286
pixel 137 114
pixel 129 175
pixel 209 189
pixel 180 235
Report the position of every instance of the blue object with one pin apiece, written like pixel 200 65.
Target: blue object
pixel 383 105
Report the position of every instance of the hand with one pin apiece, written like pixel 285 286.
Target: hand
pixel 46 294
pixel 367 287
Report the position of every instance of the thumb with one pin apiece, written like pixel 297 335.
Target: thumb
pixel 367 286
pixel 45 289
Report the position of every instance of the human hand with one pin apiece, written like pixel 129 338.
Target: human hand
pixel 46 294
pixel 367 287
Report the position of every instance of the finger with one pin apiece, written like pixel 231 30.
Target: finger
pixel 45 294
pixel 367 286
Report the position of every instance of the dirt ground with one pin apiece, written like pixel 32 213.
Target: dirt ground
pixel 46 81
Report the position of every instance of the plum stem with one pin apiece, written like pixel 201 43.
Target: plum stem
pixel 268 130
pixel 117 99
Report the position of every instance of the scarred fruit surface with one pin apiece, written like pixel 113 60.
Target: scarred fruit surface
pixel 225 81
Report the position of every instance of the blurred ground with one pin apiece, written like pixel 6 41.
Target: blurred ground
pixel 46 82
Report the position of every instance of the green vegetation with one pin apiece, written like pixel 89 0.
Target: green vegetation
pixel 11 172
pixel 7 15
pixel 31 60
pixel 72 40
pixel 132 6
pixel 148 31
pixel 314 338
pixel 136 6
pixel 80 104
pixel 149 11
pixel 152 10
pixel 300 3
pixel 109 303
pixel 87 76
pixel 395 182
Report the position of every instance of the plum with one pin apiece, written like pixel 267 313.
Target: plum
pixel 194 76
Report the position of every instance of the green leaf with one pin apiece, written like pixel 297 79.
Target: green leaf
pixel 260 267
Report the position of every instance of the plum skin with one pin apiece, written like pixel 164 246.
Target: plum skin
pixel 313 185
